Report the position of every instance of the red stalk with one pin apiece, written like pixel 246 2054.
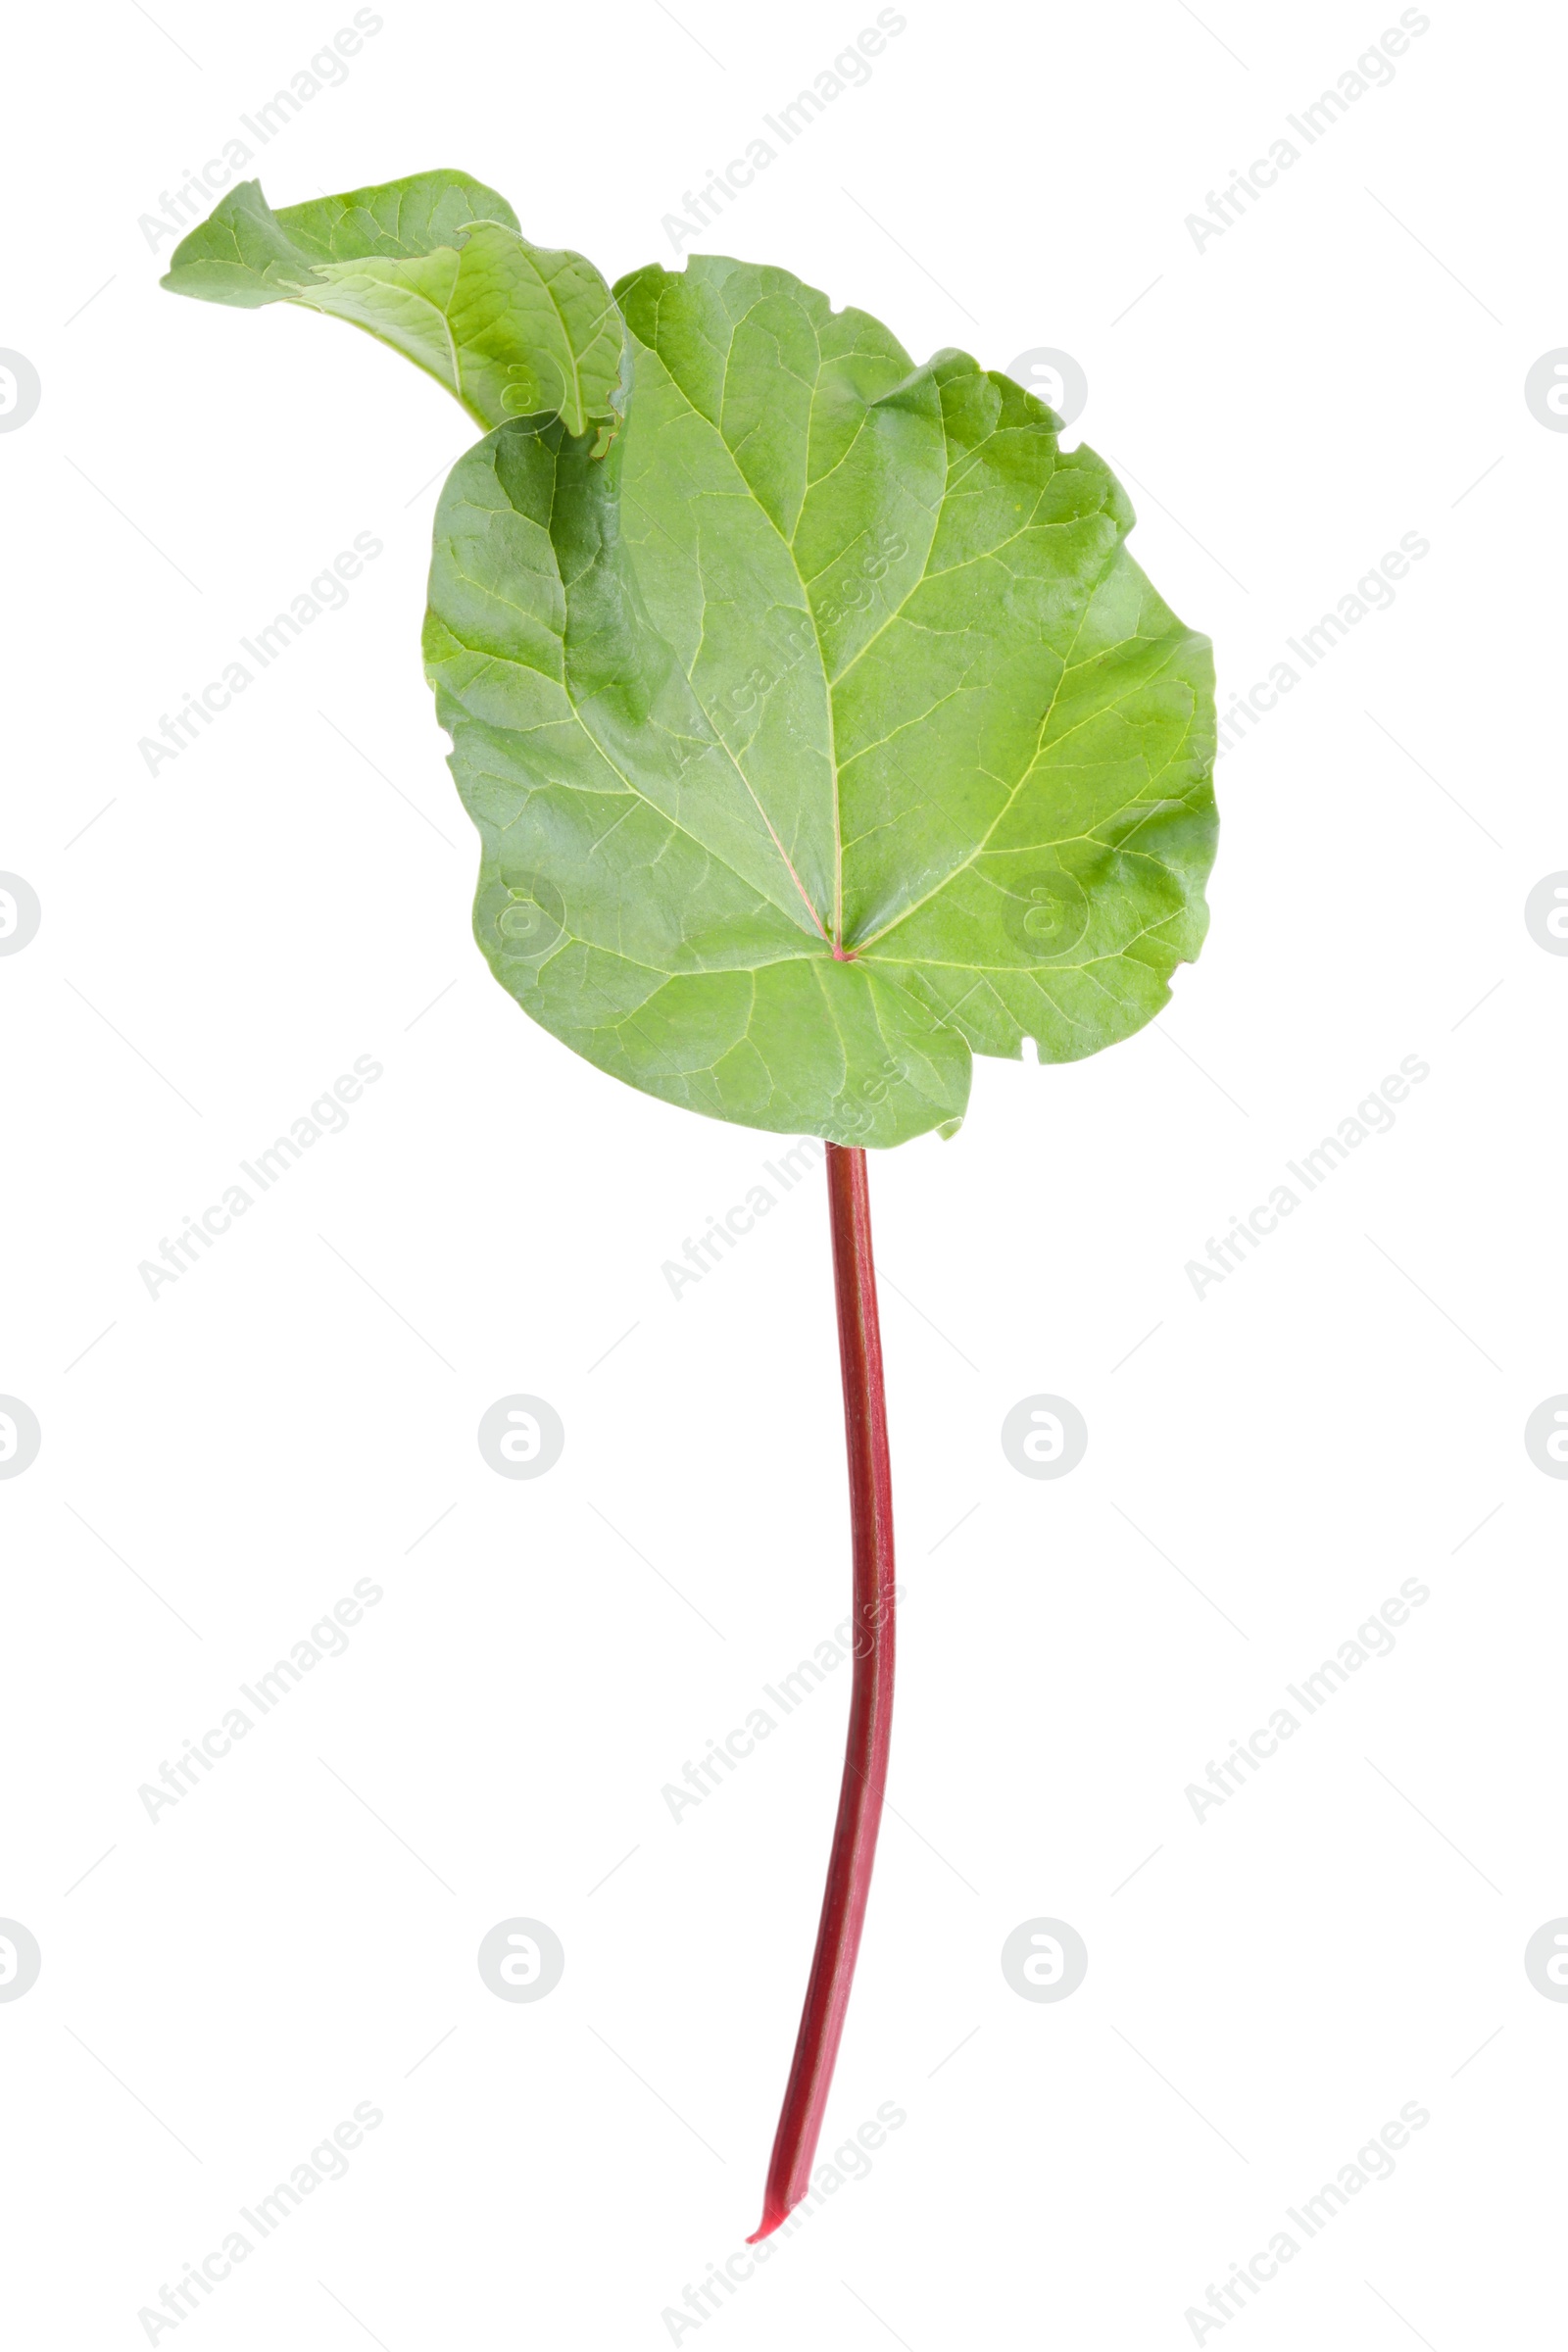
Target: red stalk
pixel 865 1757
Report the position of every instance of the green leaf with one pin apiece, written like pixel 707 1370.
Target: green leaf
pixel 823 734
pixel 436 266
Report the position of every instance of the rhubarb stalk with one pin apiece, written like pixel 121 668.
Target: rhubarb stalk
pixel 865 1757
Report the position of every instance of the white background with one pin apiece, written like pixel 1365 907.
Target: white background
pixel 1344 366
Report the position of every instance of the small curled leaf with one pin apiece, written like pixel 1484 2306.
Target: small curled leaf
pixel 436 266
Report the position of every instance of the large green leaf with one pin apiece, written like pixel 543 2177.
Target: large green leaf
pixel 436 266
pixel 825 733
